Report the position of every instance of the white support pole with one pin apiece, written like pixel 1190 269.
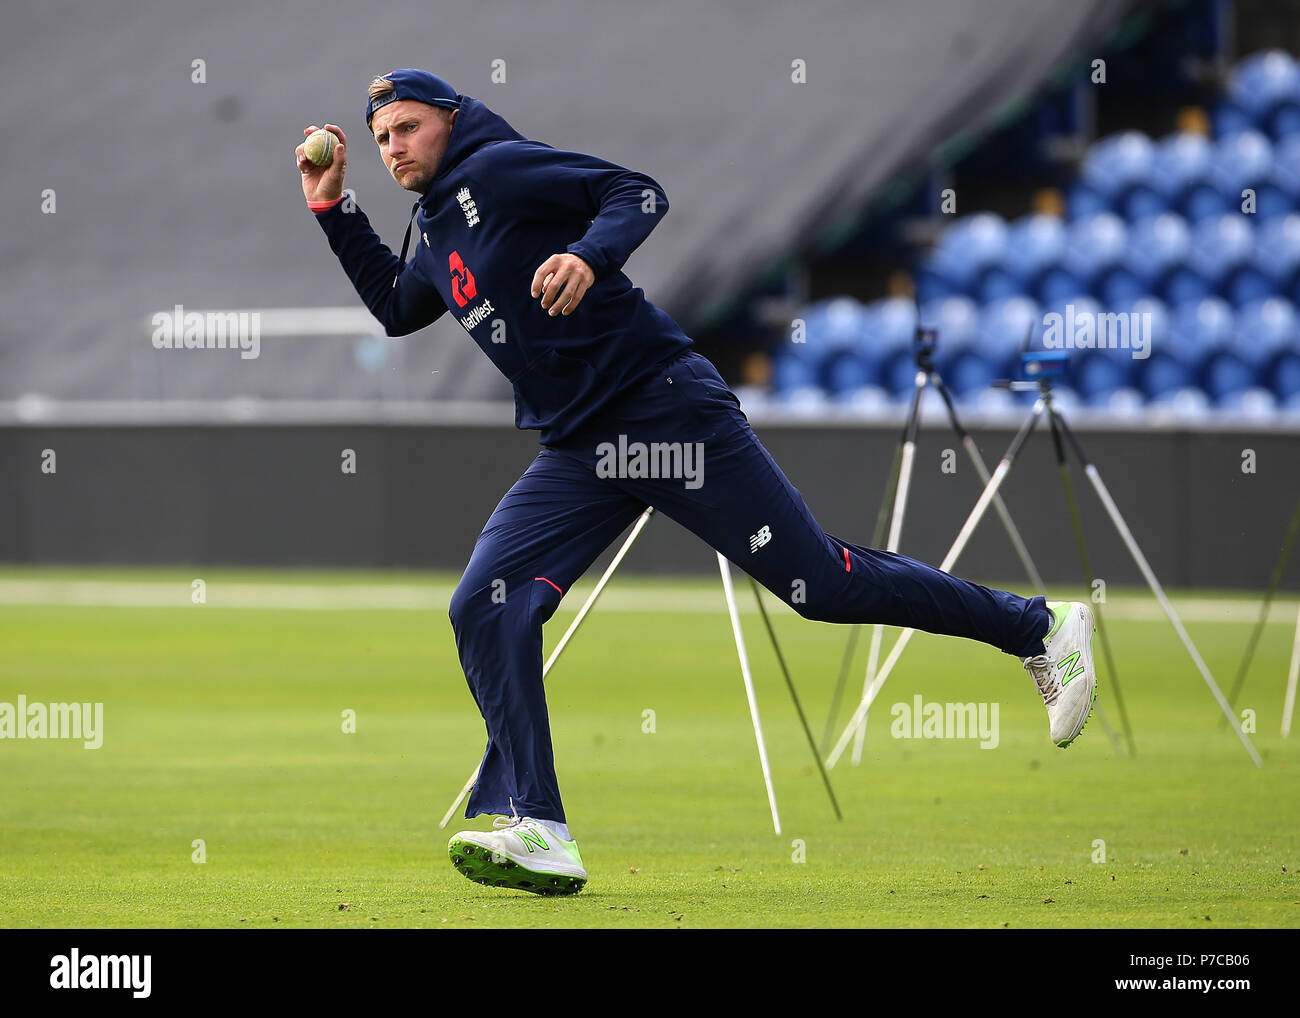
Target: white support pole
pixel 1102 493
pixel 598 589
pixel 895 539
pixel 590 603
pixel 1013 532
pixel 958 546
pixel 1288 706
pixel 729 592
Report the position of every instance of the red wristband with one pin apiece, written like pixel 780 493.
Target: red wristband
pixel 324 206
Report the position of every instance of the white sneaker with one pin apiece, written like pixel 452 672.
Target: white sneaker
pixel 1064 674
pixel 525 854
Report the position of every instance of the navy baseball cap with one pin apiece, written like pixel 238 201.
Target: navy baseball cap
pixel 421 86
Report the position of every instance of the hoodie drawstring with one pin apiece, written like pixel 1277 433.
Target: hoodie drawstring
pixel 406 243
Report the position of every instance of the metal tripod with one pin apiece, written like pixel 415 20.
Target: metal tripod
pixel 896 494
pixel 1044 366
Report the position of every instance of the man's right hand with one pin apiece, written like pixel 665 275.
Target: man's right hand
pixel 323 183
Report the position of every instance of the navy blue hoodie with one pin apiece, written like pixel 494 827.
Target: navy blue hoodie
pixel 499 206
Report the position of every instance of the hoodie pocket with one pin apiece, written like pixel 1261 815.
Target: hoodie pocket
pixel 552 386
pixel 709 390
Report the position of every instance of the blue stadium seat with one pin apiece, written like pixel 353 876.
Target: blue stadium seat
pixel 1157 368
pixel 1199 329
pixel 1121 286
pixel 1286 174
pixel 1180 165
pixel 1189 405
pixel 1230 119
pixel 895 330
pixel 1094 367
pixel 970 372
pixel 1252 402
pixel 997 282
pixel 1225 373
pixel 1277 252
pixel 1245 161
pixel 790 371
pixel 1285 122
pixel 990 401
pixel 1165 373
pixel 1121 402
pixel 1034 244
pixel 1156 321
pixel 870 399
pixel 894 326
pixel 830 326
pixel 846 371
pixel 1004 328
pixel 1083 201
pixel 1058 283
pixel 967 249
pixel 1265 88
pixel 1222 254
pixel 1094 250
pixel 1118 168
pixel 930 280
pixel 1159 253
pixel 898 376
pixel 1265 330
pixel 1284 379
pixel 810 400
pixel 957 320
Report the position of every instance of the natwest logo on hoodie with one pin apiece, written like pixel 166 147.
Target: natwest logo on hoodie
pixel 463 289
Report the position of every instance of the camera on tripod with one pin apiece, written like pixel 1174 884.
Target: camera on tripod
pixel 1039 365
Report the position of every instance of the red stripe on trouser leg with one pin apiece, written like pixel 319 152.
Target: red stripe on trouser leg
pixel 848 566
pixel 545 580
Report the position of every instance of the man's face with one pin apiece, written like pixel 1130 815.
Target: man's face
pixel 412 138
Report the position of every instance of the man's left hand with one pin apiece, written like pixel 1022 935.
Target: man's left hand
pixel 561 281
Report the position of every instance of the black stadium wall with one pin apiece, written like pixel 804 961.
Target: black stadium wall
pixel 1209 509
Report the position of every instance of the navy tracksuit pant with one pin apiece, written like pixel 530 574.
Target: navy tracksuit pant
pixel 566 509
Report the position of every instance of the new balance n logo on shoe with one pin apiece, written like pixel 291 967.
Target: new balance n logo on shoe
pixel 761 538
pixel 533 839
pixel 1064 665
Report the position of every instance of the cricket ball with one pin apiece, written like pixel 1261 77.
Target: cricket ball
pixel 319 147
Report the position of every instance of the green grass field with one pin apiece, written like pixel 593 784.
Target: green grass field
pixel 223 722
